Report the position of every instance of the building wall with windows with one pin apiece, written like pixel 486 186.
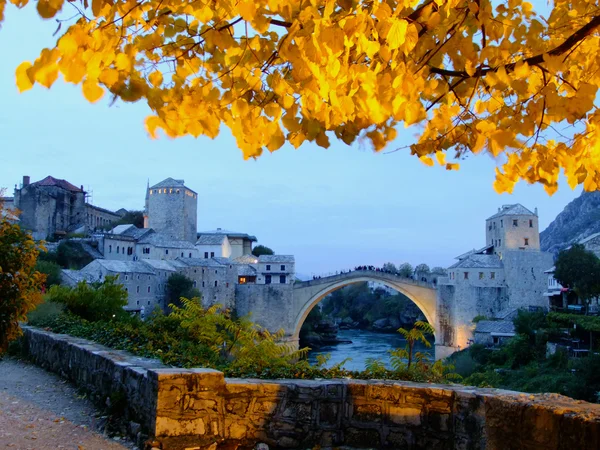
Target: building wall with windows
pixel 119 248
pixel 99 218
pixel 276 269
pixel 151 251
pixel 513 227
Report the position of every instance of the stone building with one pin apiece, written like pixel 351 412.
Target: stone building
pixel 54 206
pixel 129 243
pixel 498 279
pixel 172 208
pixel 224 243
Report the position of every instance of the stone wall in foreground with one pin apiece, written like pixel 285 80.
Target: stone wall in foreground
pixel 199 408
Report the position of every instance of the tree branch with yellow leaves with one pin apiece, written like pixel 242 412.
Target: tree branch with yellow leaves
pixel 472 76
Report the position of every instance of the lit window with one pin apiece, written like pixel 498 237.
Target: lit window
pixel 466 275
pixel 242 280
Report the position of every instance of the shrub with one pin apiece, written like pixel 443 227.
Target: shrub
pixel 51 270
pixel 97 301
pixel 45 314
pixel 71 255
pixel 527 323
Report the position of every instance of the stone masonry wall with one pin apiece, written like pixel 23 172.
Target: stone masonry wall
pixel 200 409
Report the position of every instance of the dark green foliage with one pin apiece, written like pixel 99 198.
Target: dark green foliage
pixel 423 268
pixel 527 323
pixel 51 270
pixel 131 217
pixel 521 364
pixel 579 269
pixel 93 302
pixel 178 285
pixel 479 318
pixel 587 323
pixel 405 270
pixel 71 255
pixel 262 250
pixel 46 311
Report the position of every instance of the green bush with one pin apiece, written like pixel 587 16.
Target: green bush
pixel 71 255
pixel 52 271
pixel 93 302
pixel 464 363
pixel 45 314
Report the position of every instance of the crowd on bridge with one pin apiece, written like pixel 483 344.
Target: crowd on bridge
pixel 357 269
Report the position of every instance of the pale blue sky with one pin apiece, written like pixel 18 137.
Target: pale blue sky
pixel 332 209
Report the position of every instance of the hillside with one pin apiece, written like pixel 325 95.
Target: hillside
pixel 579 219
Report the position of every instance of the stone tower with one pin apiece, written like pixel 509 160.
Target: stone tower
pixel 172 208
pixel 513 227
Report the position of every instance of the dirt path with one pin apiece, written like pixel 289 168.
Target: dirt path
pixel 41 411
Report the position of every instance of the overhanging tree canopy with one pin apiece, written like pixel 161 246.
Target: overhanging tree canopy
pixel 476 78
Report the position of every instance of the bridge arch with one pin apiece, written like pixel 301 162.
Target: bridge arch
pixel 310 293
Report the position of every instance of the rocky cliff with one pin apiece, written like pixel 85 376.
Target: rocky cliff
pixel 579 219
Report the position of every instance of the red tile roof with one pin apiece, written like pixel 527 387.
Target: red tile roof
pixel 51 181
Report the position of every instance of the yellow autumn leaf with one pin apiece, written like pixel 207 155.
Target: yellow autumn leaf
pixel 91 91
pixel 24 83
pixel 397 34
pixel 152 123
pixel 156 78
pixel 427 160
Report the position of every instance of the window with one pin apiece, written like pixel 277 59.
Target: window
pixel 138 302
pixel 212 254
pixel 205 255
pixel 494 225
pixel 530 223
pixel 526 241
pixel 117 249
pixel 148 289
pixel 283 267
pixel 490 226
pixel 466 275
pixel 499 241
pixel 194 270
pixel 481 275
pixel 166 251
pixel 148 302
pixel 137 289
pixel 203 284
pixel 242 280
pixel 110 249
pixel 182 254
pixel 216 283
pixel 202 270
pixel 493 275
pixel 282 279
pixel 226 284
pixel 126 277
pixel 195 283
pixel 268 266
pixel 190 257
pixel 515 223
pixel 267 279
pixel 501 223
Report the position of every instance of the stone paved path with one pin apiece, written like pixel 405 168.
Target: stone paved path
pixel 41 411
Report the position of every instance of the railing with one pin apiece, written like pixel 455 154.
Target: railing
pixel 356 273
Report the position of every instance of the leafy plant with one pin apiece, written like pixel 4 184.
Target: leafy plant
pixel 416 334
pixel 96 301
pixel 20 282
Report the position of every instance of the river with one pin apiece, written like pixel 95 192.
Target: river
pixel 365 344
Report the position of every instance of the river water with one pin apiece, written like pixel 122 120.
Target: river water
pixel 365 344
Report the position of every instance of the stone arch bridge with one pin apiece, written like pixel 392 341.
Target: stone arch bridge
pixel 287 306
